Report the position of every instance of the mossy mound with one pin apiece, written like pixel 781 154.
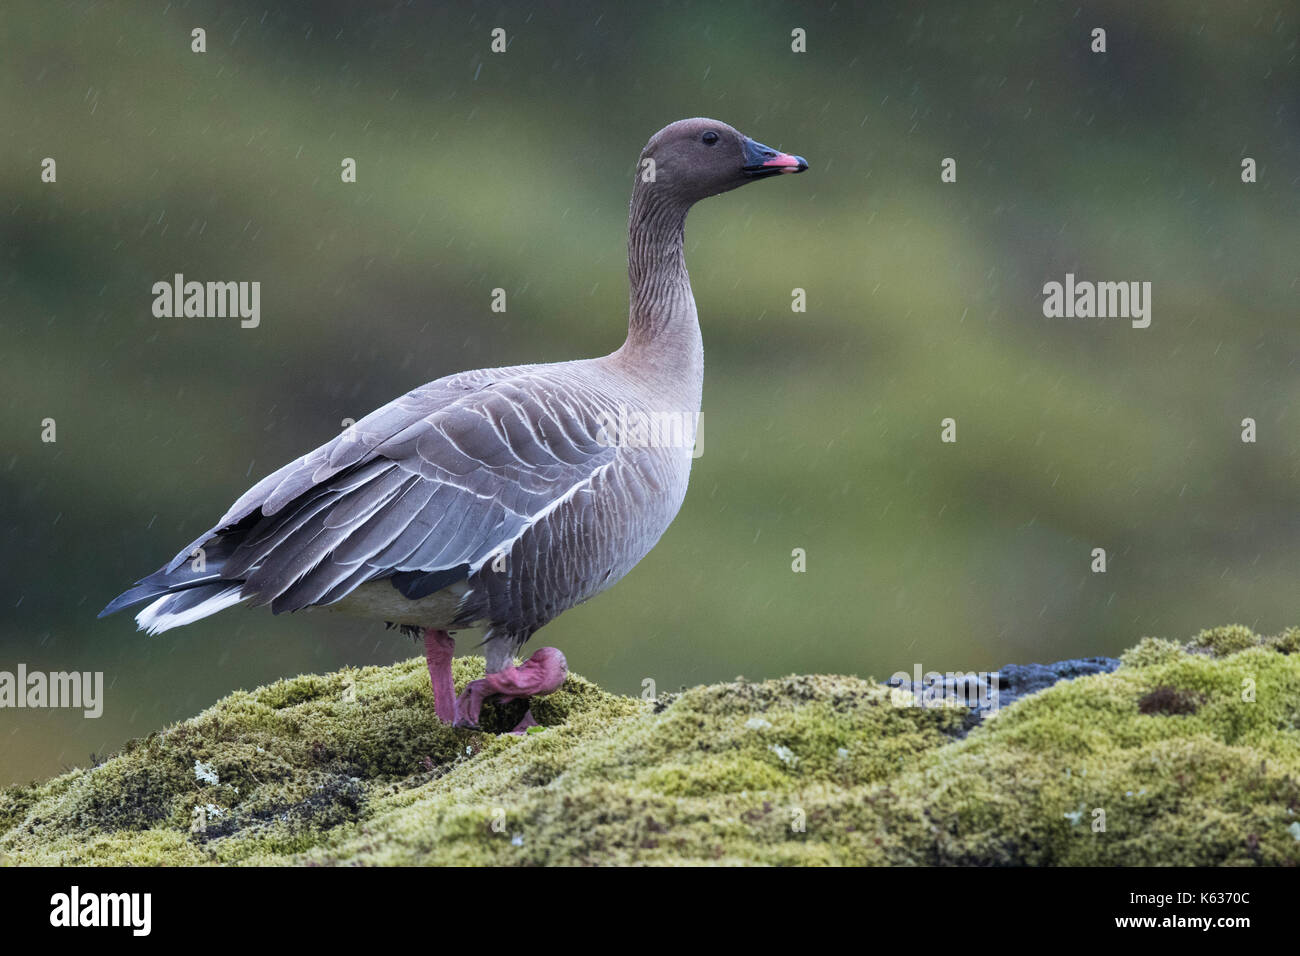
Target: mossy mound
pixel 1187 754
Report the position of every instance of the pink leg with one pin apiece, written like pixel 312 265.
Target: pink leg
pixel 438 649
pixel 543 673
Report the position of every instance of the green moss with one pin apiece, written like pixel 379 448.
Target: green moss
pixel 1225 640
pixel 1288 642
pixel 1151 650
pixel 1186 754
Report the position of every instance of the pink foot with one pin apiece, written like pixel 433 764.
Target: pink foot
pixel 439 646
pixel 523 725
pixel 543 673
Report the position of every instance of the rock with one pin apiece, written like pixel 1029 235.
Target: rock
pixel 1021 680
pixel 353 768
pixel 1014 681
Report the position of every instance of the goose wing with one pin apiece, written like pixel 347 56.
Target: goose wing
pixel 422 490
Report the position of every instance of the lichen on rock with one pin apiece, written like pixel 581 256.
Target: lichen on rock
pixel 1187 754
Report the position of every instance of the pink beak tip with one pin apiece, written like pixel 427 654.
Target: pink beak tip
pixel 786 161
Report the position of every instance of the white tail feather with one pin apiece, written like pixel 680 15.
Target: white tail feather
pixel 155 618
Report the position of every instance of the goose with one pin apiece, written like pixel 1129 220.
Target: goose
pixel 496 498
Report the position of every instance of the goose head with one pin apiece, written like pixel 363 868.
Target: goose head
pixel 695 158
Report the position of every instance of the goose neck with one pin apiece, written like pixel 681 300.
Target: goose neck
pixel 661 306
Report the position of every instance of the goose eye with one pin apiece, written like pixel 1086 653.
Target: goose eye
pixel 709 138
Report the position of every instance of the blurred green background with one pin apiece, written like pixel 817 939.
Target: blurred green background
pixel 821 429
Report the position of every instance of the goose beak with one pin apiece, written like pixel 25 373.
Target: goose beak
pixel 761 161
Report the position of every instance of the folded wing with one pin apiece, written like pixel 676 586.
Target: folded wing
pixel 422 491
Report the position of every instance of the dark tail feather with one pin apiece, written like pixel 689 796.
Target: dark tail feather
pixel 183 576
pixel 158 584
pixel 142 591
pixel 414 585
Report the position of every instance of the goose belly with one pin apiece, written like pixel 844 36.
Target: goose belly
pixel 380 600
pixel 627 528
